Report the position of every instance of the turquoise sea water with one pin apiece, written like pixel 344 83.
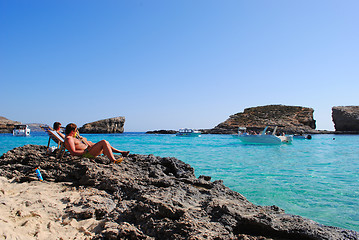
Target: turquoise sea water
pixel 317 178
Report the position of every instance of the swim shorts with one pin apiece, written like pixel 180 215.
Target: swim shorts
pixel 86 154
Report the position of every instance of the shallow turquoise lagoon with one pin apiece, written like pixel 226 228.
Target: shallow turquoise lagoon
pixel 317 178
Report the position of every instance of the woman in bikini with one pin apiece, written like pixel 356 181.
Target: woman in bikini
pixel 89 149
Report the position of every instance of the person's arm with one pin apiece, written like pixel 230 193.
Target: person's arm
pixel 70 145
pixel 84 140
pixel 89 143
pixel 61 134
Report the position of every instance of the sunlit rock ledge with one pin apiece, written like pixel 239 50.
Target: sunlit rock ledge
pixel 149 197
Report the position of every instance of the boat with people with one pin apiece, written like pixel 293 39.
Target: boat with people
pixel 264 137
pixel 21 130
pixel 188 132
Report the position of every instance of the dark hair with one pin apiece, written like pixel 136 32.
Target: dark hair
pixel 69 128
pixel 56 125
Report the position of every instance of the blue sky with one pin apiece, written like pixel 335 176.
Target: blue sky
pixel 178 63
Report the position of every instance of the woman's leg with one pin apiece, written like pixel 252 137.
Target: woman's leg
pixel 104 146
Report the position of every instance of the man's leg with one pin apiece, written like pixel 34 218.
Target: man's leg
pixel 104 146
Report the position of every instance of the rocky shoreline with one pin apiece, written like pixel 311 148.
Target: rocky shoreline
pixel 149 197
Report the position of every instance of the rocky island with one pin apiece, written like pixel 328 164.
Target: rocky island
pixel 346 119
pixel 109 125
pixel 290 119
pixel 162 132
pixel 144 197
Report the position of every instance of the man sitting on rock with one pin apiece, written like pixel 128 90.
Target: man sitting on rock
pixel 89 149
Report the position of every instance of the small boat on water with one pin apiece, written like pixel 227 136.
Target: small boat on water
pixel 263 137
pixel 21 130
pixel 188 132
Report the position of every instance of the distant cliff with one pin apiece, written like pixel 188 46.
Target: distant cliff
pixel 291 119
pixel 346 118
pixel 110 125
pixel 6 125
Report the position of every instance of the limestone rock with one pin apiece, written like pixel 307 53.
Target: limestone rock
pixel 162 132
pixel 346 118
pixel 6 125
pixel 149 197
pixel 292 119
pixel 110 125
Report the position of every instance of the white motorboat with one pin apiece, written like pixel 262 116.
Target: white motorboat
pixel 21 130
pixel 263 137
pixel 188 132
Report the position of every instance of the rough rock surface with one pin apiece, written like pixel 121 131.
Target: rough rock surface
pixel 294 119
pixel 346 118
pixel 110 125
pixel 6 125
pixel 149 197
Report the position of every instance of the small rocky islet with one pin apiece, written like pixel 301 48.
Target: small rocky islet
pixel 150 197
pixel 289 119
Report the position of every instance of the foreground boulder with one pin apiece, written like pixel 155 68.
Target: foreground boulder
pixel 290 119
pixel 110 125
pixel 346 118
pixel 149 197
